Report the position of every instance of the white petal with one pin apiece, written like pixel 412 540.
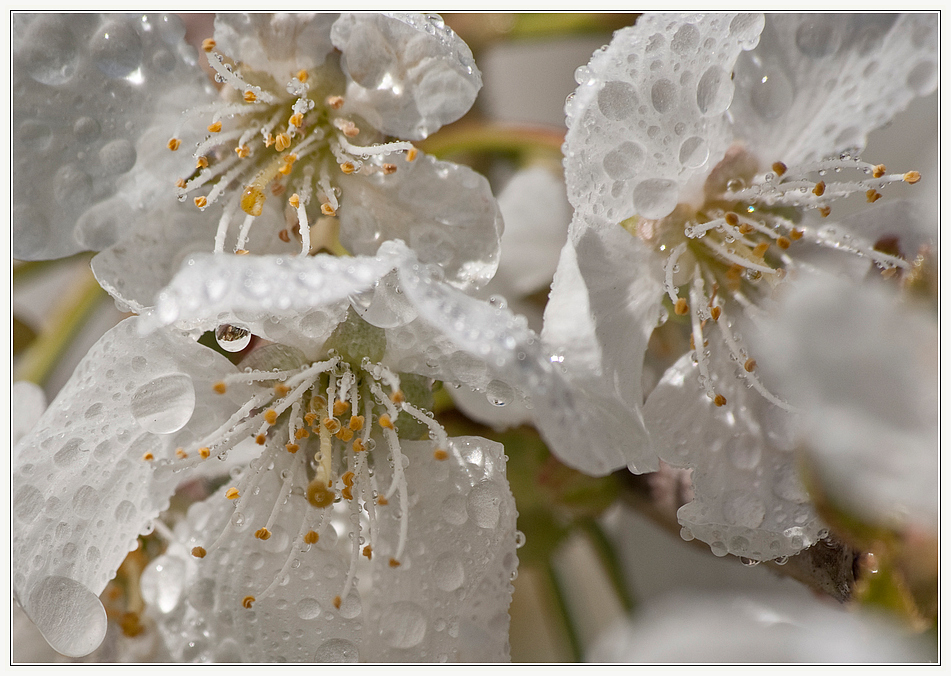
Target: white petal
pixel 86 88
pixel 649 119
pixel 445 212
pixel 748 499
pixel 277 44
pixel 817 84
pixel 409 74
pixel 863 366
pixel 29 402
pixel 82 492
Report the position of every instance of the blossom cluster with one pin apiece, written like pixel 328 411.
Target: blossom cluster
pixel 302 277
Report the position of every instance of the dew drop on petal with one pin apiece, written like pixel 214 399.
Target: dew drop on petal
pixel 483 505
pixel 337 650
pixel 307 609
pixel 714 91
pixel 624 161
pixel 923 77
pixel 163 582
pixel 165 404
pixel 499 393
pixel 743 509
pixel 116 49
pixel 403 625
pixel 51 51
pixel 655 197
pixel 685 40
pixel 746 28
pixel 694 152
pixel 818 36
pixel 617 100
pixel 232 338
pixel 117 157
pixel 772 94
pixel 663 94
pixel 70 617
pixel 448 572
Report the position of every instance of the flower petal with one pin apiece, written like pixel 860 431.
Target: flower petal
pixel 445 212
pixel 409 74
pixel 817 84
pixel 29 402
pixel 649 118
pixel 78 505
pixel 748 498
pixel 88 87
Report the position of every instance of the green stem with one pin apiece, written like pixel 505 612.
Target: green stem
pixel 564 612
pixel 610 560
pixel 493 138
pixel 68 316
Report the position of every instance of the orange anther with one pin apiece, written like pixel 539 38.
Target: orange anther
pixel 397 396
pixel 783 242
pixel 148 457
pixel 340 407
pixel 749 365
pixel 294 200
pixel 282 142
pixel 411 154
pixel 779 168
pixel 878 170
pixel 201 202
pixel 389 168
pixel 356 422
pixel 719 400
pixel 795 235
pixel 820 189
pixel 204 452
pixel 368 552
pixel 731 218
pixel 201 162
pixel 198 552
pixel 347 167
pixel 270 416
pixel 232 493
pixel 680 307
pixel 872 196
pixel 281 390
pixel 327 210
pixel 292 448
pixel 260 439
pixel 180 184
pixel 301 434
pixel 825 211
pixel 385 421
pixel 262 534
pixel 250 97
pixel 311 537
pixel 440 454
pixel 337 602
pixel 715 312
pixel 242 151
pixel 173 144
pixel 220 387
pixel 335 102
pixel 345 434
pixel 332 425
pixel 347 478
pixel 207 45
pixel 346 493
pixel 296 120
pixel 302 75
pixel 180 453
pixel 394 563
pixel 746 229
pixel 760 249
pixel 911 177
pixel 215 127
pixel 247 601
pixel 358 446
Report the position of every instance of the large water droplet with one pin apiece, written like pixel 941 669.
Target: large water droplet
pixel 714 91
pixel 232 338
pixel 36 135
pixel 819 35
pixel 163 582
pixel 27 503
pixel 116 49
pixel 403 625
pixel 483 505
pixel 164 405
pixel 663 94
pixel 308 608
pixel 72 187
pixel 617 100
pixel 743 509
pixel 86 129
pixel 50 53
pixel 70 617
pixel 201 594
pixel 786 485
pixel 337 650
pixel 351 606
pixel 448 572
pixel 685 40
pixel 744 452
pixel 771 94
pixel 624 161
pixel 746 28
pixel 694 152
pixel 117 157
pixel 499 393
pixel 655 197
pixel 923 77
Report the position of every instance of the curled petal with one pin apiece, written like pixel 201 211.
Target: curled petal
pixel 409 73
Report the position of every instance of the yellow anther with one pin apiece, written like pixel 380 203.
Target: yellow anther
pixel 347 168
pixel 180 184
pixel 232 493
pixel 201 162
pixel 440 454
pixel 335 102
pixel 878 170
pixel 368 552
pixel 291 447
pixel 825 211
pixel 294 200
pixel 311 537
pixel 260 439
pixel 311 417
pixel 252 201
pixel 281 390
pixel 680 307
pixel 872 196
pixel 282 142
pixel 220 387
pixel 262 534
pixel 820 189
pixel 397 396
pixel 270 416
pixel 201 201
pixel 340 407
pixel 382 500
pixel 346 493
pixel 332 425
pixel 204 452
pixel 296 120
pixel 215 127
pixel 746 229
pixel 241 252
pixel 385 421
pixel 345 434
pixel 301 434
pixel 358 446
pixel 779 168
pixel 180 453
pixel 760 249
pixel 207 45
pixel 719 400
pixel 411 154
pixel 319 495
pixel 250 97
pixel 749 365
pixel 389 168
pixel 173 144
pixel 715 312
pixel 888 273
pixel 731 218
pixel 350 130
pixel 284 235
pixel 286 168
pixel 198 552
pixel 148 457
pixel 247 601
pixel 242 151
pixel 327 210
pixel 302 75
pixel 269 141
pixel 783 243
pixel 347 479
pixel 394 563
pixel 795 235
pixel 356 422
pixel 911 177
pixel 337 602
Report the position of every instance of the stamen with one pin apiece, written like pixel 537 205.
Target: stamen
pixel 232 493
pixel 173 144
pixel 670 267
pixel 215 127
pixel 207 44
pixel 198 552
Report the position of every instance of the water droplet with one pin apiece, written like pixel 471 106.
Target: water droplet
pixel 617 100
pixel 351 606
pixel 308 608
pixel 165 404
pixel 51 52
pixel 685 40
pixel 519 539
pixel 819 36
pixel 448 572
pixel 686 534
pixel 749 562
pixel 663 94
pixel 746 28
pixel 499 393
pixel 116 49
pixel 718 548
pixel 694 152
pixel 655 197
pixel 624 161
pixel 782 561
pixel 743 509
pixel 403 625
pixel 337 650
pixel 923 77
pixel 72 186
pixel 714 91
pixel 36 135
pixel 771 93
pixel 483 505
pixel 28 503
pixel 117 157
pixel 69 616
pixel 232 338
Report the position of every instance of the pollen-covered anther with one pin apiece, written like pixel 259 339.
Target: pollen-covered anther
pixel 382 500
pixel 252 200
pixel 241 252
pixel 746 229
pixel 173 144
pixel 284 235
pixel 301 434
pixel 270 416
pixel 269 141
pixel 296 120
pixel 345 434
pixel 327 210
pixel 291 447
pixel 749 365
pixel 207 45
pixel 250 97
pixel 242 151
pixel 281 390
pixel 337 602
pixel 180 453
pixel 346 493
pixel 389 168
pixel 319 495
pixel 148 457
pixel 368 552
pixel 888 273
pixel 282 142
pixel 760 249
pixel 440 454
pixel 220 387
pixel 779 168
pixel 198 552
pixel 911 177
pixel 260 439
pixel 201 201
pixel 872 196
pixel 878 171
pixel 358 446
pixel 394 563
pixel 783 242
pixel 397 396
pixel 820 189
pixel 310 418
pixel 340 407
pixel 232 493
pixel 715 312
pixel 795 235
pixel 247 601
pixel 204 452
pixel 180 184
pixel 294 200
pixel 731 218
pixel 302 75
pixel 262 534
pixel 311 537
pixel 335 102
pixel 356 422
pixel 411 154
pixel 347 167
pixel 825 211
pixel 201 162
pixel 347 479
pixel 215 127
pixel 680 307
pixel 719 400
pixel 384 421
pixel 332 425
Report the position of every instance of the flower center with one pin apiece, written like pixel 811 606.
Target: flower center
pixel 740 245
pixel 263 140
